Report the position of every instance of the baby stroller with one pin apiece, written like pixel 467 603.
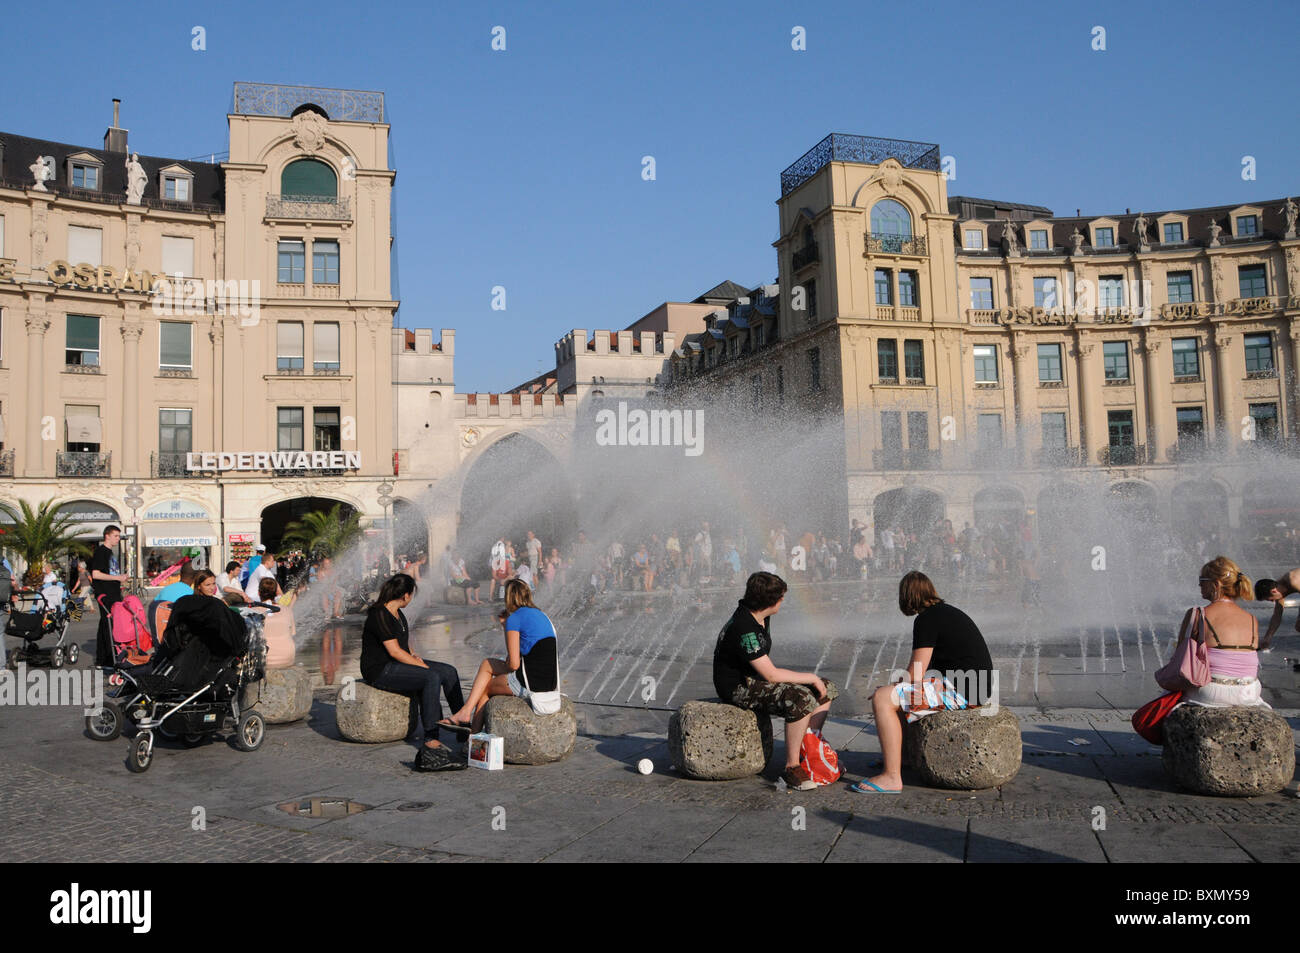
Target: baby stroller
pixel 195 689
pixel 33 618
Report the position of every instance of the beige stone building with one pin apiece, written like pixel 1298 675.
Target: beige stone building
pixel 212 409
pixel 991 361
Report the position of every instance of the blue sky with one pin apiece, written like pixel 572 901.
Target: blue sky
pixel 523 168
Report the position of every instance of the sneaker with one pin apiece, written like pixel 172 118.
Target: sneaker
pixel 798 779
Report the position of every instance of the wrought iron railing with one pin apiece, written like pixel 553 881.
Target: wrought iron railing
pixel 175 372
pixel 886 244
pixel 82 369
pixel 1185 451
pixel 806 256
pixel 1123 455
pixel 838 147
pixel 6 463
pixel 1266 373
pixel 1060 457
pixel 80 463
pixel 270 99
pixel 170 466
pixel 324 207
pixel 995 458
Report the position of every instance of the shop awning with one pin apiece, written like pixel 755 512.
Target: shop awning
pixel 83 429
pixel 178 534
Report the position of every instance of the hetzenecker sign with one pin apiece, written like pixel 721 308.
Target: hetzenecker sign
pixel 275 460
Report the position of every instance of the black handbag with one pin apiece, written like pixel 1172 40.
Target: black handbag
pixel 438 759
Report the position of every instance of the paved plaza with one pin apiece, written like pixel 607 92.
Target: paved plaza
pixel 1089 790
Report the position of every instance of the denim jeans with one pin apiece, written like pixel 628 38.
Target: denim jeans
pixel 425 684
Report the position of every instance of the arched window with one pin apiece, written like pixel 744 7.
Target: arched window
pixel 309 178
pixel 891 218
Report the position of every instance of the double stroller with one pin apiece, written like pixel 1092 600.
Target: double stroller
pixel 37 616
pixel 194 686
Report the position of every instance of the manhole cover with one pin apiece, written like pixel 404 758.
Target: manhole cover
pixel 415 806
pixel 323 807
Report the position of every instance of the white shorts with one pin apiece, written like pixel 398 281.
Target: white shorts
pixel 1218 695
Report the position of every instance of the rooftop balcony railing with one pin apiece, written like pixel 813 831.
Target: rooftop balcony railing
pixel 838 147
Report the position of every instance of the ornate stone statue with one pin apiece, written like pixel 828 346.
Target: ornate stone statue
pixel 42 171
pixel 1140 228
pixel 1289 216
pixel 135 179
pixel 1009 233
pixel 1077 240
pixel 1215 229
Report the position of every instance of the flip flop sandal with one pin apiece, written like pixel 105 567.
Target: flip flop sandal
pixel 866 787
pixel 452 726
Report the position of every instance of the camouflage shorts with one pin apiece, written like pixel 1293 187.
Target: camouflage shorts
pixel 792 702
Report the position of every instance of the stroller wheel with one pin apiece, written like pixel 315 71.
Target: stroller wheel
pixel 250 732
pixel 193 741
pixel 140 756
pixel 56 657
pixel 106 723
pixel 74 652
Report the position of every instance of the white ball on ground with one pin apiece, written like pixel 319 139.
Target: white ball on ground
pixel 645 766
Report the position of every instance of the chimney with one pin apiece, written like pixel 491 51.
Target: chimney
pixel 115 136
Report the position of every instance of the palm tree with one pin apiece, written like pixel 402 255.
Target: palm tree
pixel 37 535
pixel 323 533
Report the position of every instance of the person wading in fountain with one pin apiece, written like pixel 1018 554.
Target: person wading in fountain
pixel 1276 591
pixel 743 674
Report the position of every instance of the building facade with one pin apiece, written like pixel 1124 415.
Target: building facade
pixel 200 348
pixel 987 360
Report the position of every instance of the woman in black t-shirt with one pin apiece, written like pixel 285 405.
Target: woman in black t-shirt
pixel 947 648
pixel 387 662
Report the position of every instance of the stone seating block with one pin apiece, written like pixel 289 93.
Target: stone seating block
pixel 370 715
pixel 529 738
pixel 713 741
pixel 964 750
pixel 455 596
pixel 284 695
pixel 1229 752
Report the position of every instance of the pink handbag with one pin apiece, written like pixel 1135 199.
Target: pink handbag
pixel 1189 667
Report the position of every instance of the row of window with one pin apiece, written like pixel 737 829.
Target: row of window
pixel 303 178
pixel 1115 359
pixel 176 428
pixel 1055 432
pixel 176 344
pixel 1252 282
pixel 1103 236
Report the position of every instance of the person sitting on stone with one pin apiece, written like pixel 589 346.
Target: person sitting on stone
pixel 459 576
pixel 1277 591
pixel 531 664
pixel 278 628
pixel 387 662
pixel 946 644
pixel 1231 636
pixel 745 676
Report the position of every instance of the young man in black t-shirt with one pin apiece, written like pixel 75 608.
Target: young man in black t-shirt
pixel 947 646
pixel 106 580
pixel 743 674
